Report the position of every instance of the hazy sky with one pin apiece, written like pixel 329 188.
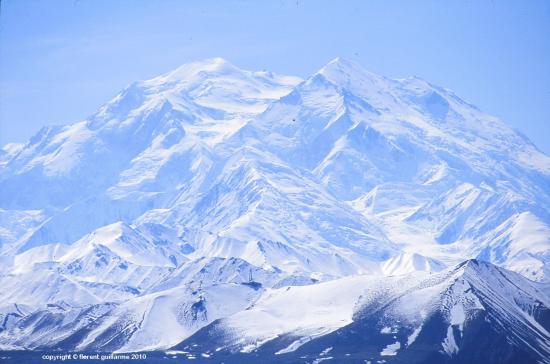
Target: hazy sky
pixel 60 60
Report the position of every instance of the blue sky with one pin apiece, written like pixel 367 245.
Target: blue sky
pixel 60 60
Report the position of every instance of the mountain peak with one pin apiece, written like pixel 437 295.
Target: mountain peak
pixel 214 62
pixel 486 275
pixel 190 70
pixel 473 266
pixel 342 63
pixel 341 70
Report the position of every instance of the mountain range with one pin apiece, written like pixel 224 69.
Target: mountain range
pixel 217 213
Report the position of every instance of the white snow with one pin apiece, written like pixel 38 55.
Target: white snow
pixel 449 344
pixel 412 337
pixel 391 349
pixel 305 311
pixel 404 263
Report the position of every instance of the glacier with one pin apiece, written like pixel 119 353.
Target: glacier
pixel 266 217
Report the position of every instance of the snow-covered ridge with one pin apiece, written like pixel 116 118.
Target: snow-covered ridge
pixel 398 311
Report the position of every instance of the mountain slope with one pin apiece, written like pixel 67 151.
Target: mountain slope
pixel 458 168
pixel 449 317
pixel 209 134
pixel 125 158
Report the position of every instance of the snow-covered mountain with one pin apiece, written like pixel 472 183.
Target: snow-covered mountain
pixel 212 192
pixel 470 313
